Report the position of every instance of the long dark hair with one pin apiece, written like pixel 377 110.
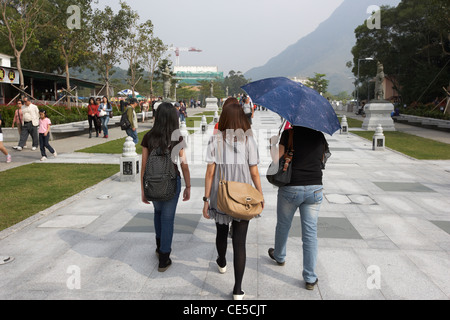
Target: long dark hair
pixel 166 122
pixel 233 117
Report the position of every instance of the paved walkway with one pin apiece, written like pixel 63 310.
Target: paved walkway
pixel 384 233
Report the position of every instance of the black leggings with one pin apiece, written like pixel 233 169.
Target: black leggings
pixel 240 254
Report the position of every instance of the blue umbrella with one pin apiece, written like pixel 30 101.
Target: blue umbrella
pixel 298 104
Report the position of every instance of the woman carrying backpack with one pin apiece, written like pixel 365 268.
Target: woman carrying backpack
pixel 232 153
pixel 157 142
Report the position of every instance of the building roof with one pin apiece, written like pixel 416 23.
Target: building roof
pixel 59 78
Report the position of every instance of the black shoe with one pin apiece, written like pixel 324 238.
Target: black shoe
pixel 271 251
pixel 164 262
pixel 158 246
pixel 310 286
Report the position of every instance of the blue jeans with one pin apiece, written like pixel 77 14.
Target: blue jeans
pixel 105 121
pixel 43 143
pixel 165 218
pixel 133 134
pixel 308 199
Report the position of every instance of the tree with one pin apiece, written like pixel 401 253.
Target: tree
pixel 318 83
pixel 132 49
pixel 413 46
pixel 234 81
pixel 152 49
pixel 110 31
pixel 71 40
pixel 20 19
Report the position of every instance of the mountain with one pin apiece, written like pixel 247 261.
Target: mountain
pixel 325 50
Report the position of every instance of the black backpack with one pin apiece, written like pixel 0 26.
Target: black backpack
pixel 160 177
pixel 125 124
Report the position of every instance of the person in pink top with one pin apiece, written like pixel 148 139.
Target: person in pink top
pixel 44 135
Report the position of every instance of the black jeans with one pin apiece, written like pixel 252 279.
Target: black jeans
pixel 94 120
pixel 29 129
pixel 43 142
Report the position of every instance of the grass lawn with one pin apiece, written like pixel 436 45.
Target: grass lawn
pixel 113 147
pixel 194 122
pixel 30 189
pixel 206 113
pixel 413 146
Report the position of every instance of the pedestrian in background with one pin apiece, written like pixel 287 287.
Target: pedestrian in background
pixel 183 112
pixel 104 110
pixel 2 147
pixel 30 120
pixel 132 117
pixel 44 135
pixel 248 109
pixel 18 117
pixel 92 118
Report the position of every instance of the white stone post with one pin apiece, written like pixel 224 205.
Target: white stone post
pixel 379 139
pixel 129 162
pixel 184 132
pixel 344 125
pixel 204 124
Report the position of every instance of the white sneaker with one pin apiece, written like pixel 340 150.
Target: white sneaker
pixel 8 158
pixel 44 159
pixel 33 149
pixel 18 148
pixel 239 296
pixel 55 154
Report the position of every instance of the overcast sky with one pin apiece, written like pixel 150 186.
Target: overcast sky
pixel 233 34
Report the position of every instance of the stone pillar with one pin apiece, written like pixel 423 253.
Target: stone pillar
pixel 344 125
pixel 184 132
pixel 204 125
pixel 379 113
pixel 212 104
pixel 129 162
pixel 379 140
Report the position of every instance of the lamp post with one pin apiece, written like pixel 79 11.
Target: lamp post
pixel 357 91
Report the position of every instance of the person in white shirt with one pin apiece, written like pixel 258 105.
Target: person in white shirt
pixel 30 125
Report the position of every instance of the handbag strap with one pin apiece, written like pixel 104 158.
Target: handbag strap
pixel 289 154
pixel 290 147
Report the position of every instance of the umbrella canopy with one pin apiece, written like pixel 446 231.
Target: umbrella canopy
pixel 128 92
pixel 298 104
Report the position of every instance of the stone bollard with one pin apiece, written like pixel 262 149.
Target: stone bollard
pixel 184 132
pixel 344 125
pixel 129 162
pixel 216 117
pixel 379 140
pixel 204 124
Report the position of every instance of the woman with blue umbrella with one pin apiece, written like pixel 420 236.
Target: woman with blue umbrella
pixel 309 114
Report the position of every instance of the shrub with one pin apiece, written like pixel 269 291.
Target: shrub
pixel 427 111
